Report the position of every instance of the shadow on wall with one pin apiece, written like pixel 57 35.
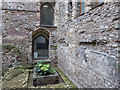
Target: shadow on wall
pixel 119 74
pixel 12 56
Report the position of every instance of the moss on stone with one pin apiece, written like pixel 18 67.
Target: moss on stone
pixel 68 83
pixel 118 64
pixel 18 81
pixel 60 85
pixel 66 79
pixel 28 45
pixel 13 50
pixel 11 73
pixel 9 48
pixel 24 66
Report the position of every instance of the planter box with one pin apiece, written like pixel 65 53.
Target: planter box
pixel 45 80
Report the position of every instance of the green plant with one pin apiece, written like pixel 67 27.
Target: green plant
pixel 44 69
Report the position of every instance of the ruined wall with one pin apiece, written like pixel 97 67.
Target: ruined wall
pixel 19 21
pixel 87 44
pixel 88 47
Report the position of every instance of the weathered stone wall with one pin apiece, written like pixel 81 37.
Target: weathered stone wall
pixel 20 20
pixel 87 44
pixel 12 56
pixel 88 47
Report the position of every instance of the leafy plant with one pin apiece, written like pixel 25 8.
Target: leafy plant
pixel 44 69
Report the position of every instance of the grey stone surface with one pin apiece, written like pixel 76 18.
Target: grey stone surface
pixel 86 45
pixel 90 60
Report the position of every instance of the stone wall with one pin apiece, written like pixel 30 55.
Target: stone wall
pixel 20 20
pixel 12 56
pixel 88 47
pixel 87 44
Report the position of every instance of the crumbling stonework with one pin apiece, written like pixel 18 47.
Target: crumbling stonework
pixel 85 46
pixel 18 21
pixel 20 24
pixel 88 52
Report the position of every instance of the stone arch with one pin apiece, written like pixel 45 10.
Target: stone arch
pixel 40 31
pixel 40 44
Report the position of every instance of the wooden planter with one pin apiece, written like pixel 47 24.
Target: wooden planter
pixel 45 80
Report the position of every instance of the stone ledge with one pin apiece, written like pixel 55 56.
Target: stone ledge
pixel 12 9
pixel 48 26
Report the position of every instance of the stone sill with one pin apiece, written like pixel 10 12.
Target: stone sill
pixel 37 60
pixel 48 26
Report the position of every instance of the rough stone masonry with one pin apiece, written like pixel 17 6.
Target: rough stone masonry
pixel 85 46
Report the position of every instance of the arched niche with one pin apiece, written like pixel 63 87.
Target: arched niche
pixel 47 14
pixel 40 45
